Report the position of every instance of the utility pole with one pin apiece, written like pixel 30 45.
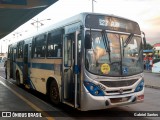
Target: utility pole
pixel 93 5
pixel 38 22
pixel 18 33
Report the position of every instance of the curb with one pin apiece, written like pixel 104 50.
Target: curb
pixel 154 87
pixel 145 71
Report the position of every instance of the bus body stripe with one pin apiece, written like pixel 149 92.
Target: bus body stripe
pixel 44 66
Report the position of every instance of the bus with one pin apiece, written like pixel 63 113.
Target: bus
pixel 156 58
pixel 90 61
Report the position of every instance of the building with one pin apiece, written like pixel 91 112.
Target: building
pixel 156 46
pixel 3 57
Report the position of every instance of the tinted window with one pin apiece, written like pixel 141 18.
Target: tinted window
pixel 20 49
pixel 39 46
pixel 54 46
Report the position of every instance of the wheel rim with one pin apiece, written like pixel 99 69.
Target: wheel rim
pixel 54 93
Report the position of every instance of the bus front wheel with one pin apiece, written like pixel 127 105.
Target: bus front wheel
pixel 54 92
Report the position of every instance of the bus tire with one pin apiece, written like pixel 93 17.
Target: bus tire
pixel 54 92
pixel 18 79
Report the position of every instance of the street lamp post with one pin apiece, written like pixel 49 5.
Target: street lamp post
pixel 17 34
pixel 37 22
pixel 93 5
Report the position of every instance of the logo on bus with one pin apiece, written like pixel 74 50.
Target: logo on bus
pixel 121 91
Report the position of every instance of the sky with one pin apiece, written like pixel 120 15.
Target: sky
pixel 145 12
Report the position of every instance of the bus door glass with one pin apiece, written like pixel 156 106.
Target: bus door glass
pixel 70 68
pixel 25 60
pixel 9 61
pixel 14 62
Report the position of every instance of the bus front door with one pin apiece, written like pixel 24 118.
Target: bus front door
pixel 25 65
pixel 69 79
pixel 14 64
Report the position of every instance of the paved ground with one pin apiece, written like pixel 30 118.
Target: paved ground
pixel 152 80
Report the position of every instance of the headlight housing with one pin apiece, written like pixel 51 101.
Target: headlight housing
pixel 93 89
pixel 140 86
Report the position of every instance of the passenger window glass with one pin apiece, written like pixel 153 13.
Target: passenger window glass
pixel 20 49
pixel 39 46
pixel 54 47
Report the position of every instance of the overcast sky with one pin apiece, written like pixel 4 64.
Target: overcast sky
pixel 145 12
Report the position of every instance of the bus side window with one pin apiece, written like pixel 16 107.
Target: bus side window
pixel 54 46
pixel 20 49
pixel 39 46
pixel 50 51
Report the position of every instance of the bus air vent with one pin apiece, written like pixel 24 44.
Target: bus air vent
pixel 119 83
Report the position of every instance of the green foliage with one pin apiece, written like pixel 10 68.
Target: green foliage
pixel 148 46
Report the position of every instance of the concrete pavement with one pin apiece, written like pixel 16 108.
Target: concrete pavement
pixel 152 80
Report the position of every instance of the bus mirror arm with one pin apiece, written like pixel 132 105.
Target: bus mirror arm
pixel 144 40
pixel 88 41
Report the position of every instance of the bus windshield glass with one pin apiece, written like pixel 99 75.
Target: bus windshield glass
pixel 110 56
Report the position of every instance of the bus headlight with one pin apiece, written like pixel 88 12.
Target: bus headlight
pixel 93 89
pixel 139 86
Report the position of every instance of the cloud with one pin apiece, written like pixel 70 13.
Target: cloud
pixel 145 12
pixel 151 27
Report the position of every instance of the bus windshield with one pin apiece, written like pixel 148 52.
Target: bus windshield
pixel 114 54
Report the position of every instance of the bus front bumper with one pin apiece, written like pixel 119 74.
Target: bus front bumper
pixel 90 102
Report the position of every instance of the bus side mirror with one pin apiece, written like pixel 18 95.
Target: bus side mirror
pixel 87 41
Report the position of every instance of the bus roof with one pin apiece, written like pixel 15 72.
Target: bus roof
pixel 77 18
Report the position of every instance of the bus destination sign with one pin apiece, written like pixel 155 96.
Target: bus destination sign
pixel 111 23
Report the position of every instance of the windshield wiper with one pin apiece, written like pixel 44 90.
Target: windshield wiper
pixel 128 40
pixel 106 43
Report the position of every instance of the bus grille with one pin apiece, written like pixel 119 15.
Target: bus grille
pixel 117 100
pixel 118 83
pixel 117 91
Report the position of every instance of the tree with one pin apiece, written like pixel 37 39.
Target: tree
pixel 148 46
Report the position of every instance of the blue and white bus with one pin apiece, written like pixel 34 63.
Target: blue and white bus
pixel 89 61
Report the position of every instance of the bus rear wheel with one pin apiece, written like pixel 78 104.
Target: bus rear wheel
pixel 54 93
